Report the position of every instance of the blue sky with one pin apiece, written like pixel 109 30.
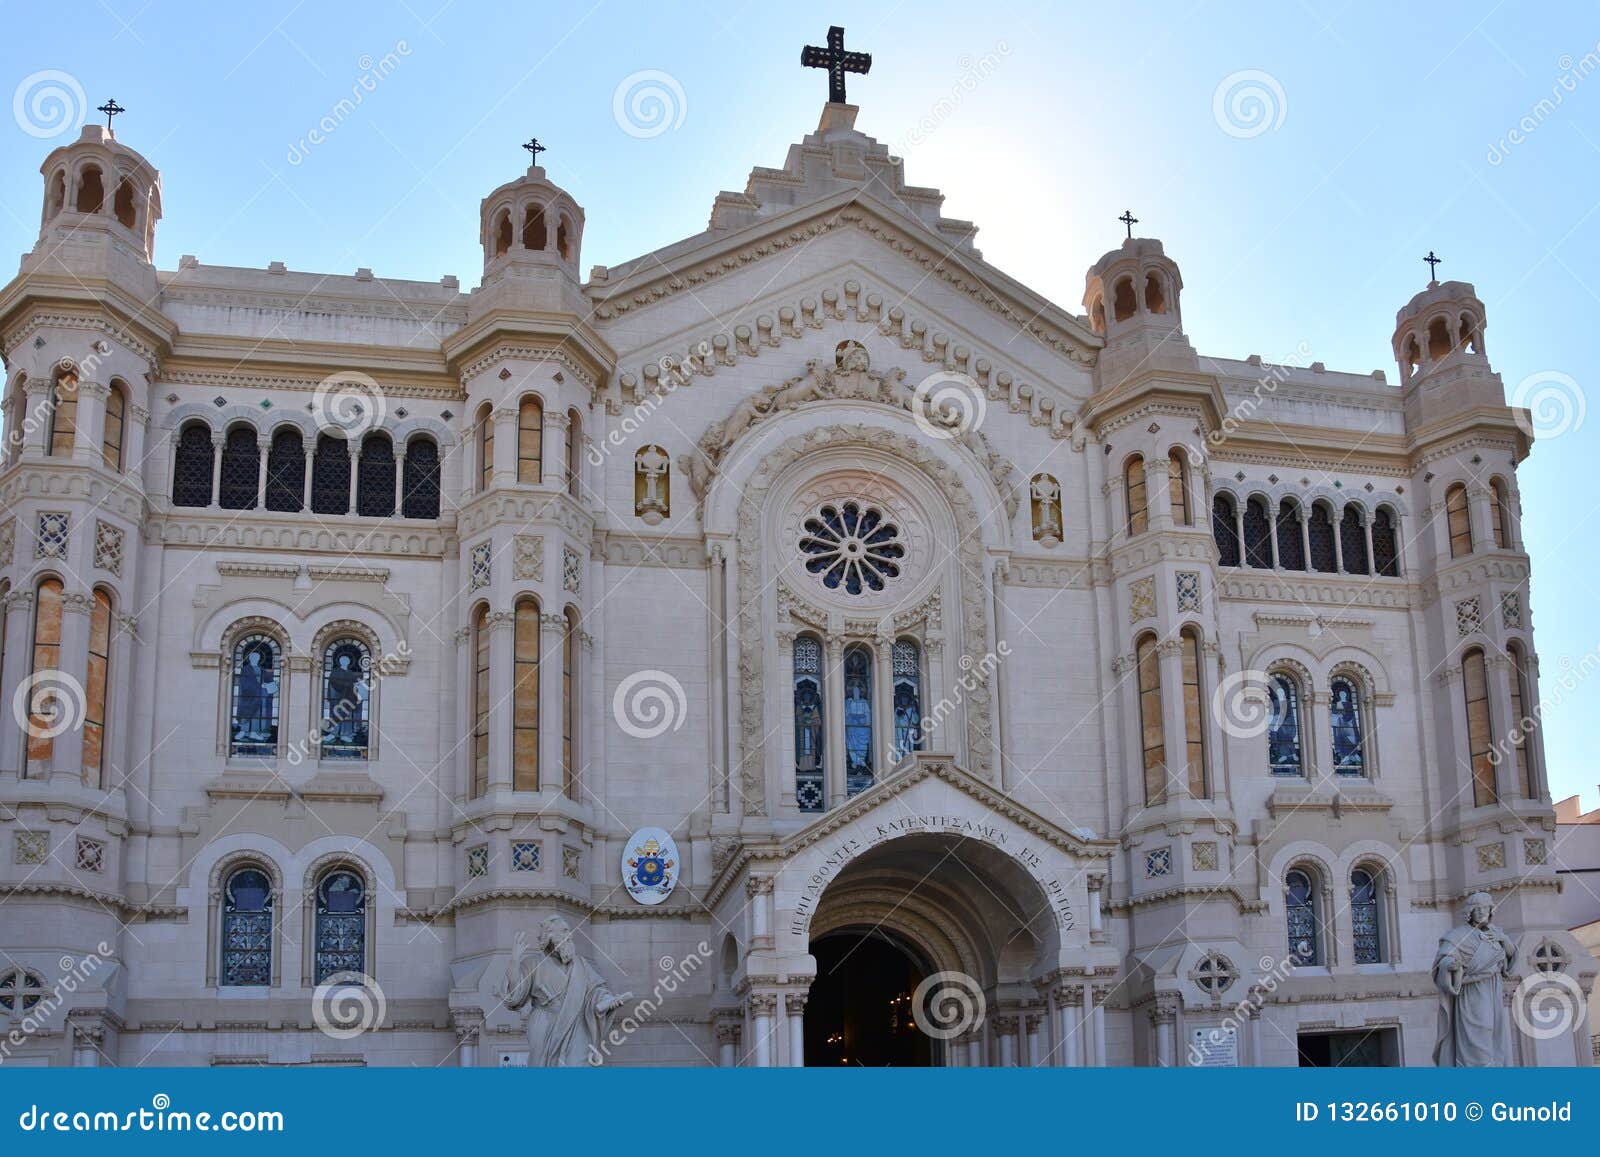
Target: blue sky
pixel 1390 133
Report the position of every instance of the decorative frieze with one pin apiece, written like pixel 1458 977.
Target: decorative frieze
pixel 527 557
pixel 108 547
pixel 51 534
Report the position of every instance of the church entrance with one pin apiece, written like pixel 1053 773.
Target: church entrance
pixel 859 1010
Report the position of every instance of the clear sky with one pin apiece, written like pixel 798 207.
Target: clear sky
pixel 1472 129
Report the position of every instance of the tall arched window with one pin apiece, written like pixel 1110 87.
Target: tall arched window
pixel 530 441
pixel 569 704
pixel 1152 738
pixel 61 428
pixel 533 233
pixel 116 419
pixel 1366 923
pixel 1300 900
pixel 5 591
pixel 1385 544
pixel 480 701
pixel 1285 747
pixel 574 450
pixel 346 699
pixel 485 437
pixel 91 190
pixel 375 477
pixel 1500 512
pixel 1459 520
pixel 1291 550
pixel 906 662
pixel 341 931
pixel 286 470
pixel 1257 535
pixel 122 204
pixel 1480 727
pixel 1319 534
pixel 1178 486
pixel 809 743
pixel 247 928
pixel 241 464
pixel 1224 530
pixel 330 476
pixel 1138 500
pixel 1522 723
pixel 1348 726
pixel 858 762
pixel 97 687
pixel 253 720
pixel 1353 541
pixel 49 603
pixel 525 697
pixel 420 488
pixel 1194 716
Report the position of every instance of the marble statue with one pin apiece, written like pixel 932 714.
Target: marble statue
pixel 1470 970
pixel 570 1008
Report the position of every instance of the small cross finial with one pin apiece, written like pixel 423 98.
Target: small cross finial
pixel 837 61
pixel 1433 267
pixel 1129 220
pixel 111 108
pixel 535 148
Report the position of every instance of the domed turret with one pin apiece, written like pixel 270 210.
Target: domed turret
pixel 95 185
pixel 1131 295
pixel 1438 342
pixel 531 231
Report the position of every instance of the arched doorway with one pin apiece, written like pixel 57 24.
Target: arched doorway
pixel 859 1013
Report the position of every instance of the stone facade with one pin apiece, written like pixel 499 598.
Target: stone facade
pixel 1139 692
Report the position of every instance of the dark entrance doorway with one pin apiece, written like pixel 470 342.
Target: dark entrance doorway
pixel 859 1010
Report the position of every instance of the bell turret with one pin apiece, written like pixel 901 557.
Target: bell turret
pixel 1132 298
pixel 97 186
pixel 532 232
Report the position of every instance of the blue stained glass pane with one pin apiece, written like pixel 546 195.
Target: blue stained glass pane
pixel 1283 728
pixel 1344 716
pixel 858 720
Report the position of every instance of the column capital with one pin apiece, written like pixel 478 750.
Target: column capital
pixel 795 1002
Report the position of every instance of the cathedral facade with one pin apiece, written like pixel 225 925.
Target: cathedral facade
pixel 801 644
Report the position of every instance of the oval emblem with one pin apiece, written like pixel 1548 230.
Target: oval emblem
pixel 650 865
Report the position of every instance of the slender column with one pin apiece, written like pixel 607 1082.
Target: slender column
pixel 467 1030
pixel 1102 992
pixel 833 714
pixel 1338 541
pixel 217 439
pixel 758 889
pixel 1507 775
pixel 18 623
pixel 717 678
pixel 501 677
pixel 35 421
pixel 1169 655
pixel 883 705
pixel 135 433
pixel 91 421
pixel 1253 1020
pixel 933 737
pixel 795 1004
pixel 1164 1017
pixel 1158 492
pixel 1035 1024
pixel 1091 1052
pixel 552 706
pixel 1097 932
pixel 975 1050
pixel 1311 742
pixel 728 1043
pixel 1305 536
pixel 466 712
pixel 1005 1028
pixel 309 445
pixel 87 1039
pixel 353 451
pixel 786 749
pixel 554 464
pixel 399 481
pixel 66 756
pixel 1366 529
pixel 1002 746
pixel 504 472
pixel 263 445
pixel 1069 999
pixel 762 1007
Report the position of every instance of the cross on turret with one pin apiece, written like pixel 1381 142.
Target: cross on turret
pixel 837 61
pixel 535 148
pixel 111 108
pixel 1129 220
pixel 1433 267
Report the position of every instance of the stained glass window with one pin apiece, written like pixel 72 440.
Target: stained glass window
pixel 808 733
pixel 1291 550
pixel 247 928
pixel 1344 720
pixel 341 925
pixel 1353 541
pixel 1138 499
pixel 1284 754
pixel 346 699
pixel 375 477
pixel 1480 731
pixel 1257 535
pixel 480 700
pixel 574 448
pixel 1459 520
pixel 1319 530
pixel 1364 917
pixel 63 416
pixel 569 704
pixel 1301 903
pixel 858 761
pixel 420 489
pixel 1153 742
pixel 241 464
pixel 906 660
pixel 1385 544
pixel 1224 530
pixel 96 686
pixel 111 439
pixel 530 441
pixel 286 471
pixel 1522 724
pixel 191 471
pixel 853 547
pixel 254 719
pixel 1194 719
pixel 1178 486
pixel 50 602
pixel 330 476
pixel 525 698
pixel 20 990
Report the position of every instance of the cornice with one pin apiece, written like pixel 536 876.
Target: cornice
pixel 33 301
pixel 298 535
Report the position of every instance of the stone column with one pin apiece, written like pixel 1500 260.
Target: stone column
pixel 933 737
pixel 135 434
pixel 552 708
pixel 1006 1030
pixel 1069 999
pixel 795 1004
pixel 728 1031
pixel 1096 884
pixel 1507 775
pixel 1253 1020
pixel 1034 1024
pixel 87 1038
pixel 1317 704
pixel 18 626
pixel 309 446
pixel 399 481
pixel 833 716
pixel 465 715
pixel 217 440
pixel 1164 1017
pixel 91 421
pixel 717 679
pixel 999 697
pixel 1175 752
pixel 785 637
pixel 353 452
pixel 502 675
pixel 883 705
pixel 468 1028
pixel 1098 1022
pixel 1305 535
pixel 263 447
pixel 975 1050
pixel 758 889
pixel 504 469
pixel 553 455
pixel 762 1007
pixel 35 421
pixel 66 754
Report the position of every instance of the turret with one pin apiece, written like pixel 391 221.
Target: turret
pixel 532 232
pixel 101 204
pixel 1438 341
pixel 1132 298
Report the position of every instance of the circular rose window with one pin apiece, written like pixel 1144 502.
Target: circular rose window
pixel 851 547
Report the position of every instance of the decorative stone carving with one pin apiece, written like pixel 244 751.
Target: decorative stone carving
pixel 50 540
pixel 1470 970
pixel 1045 495
pixel 652 495
pixel 527 557
pixel 569 1006
pixel 571 570
pixel 1141 600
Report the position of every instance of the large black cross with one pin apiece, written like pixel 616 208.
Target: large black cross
pixel 535 148
pixel 1433 266
pixel 1129 220
pixel 837 61
pixel 111 108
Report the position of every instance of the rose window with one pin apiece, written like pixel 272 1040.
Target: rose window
pixel 852 547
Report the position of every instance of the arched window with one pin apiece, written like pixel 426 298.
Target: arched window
pixel 1194 716
pixel 116 419
pixel 1319 534
pixel 533 232
pixel 1500 513
pixel 49 604
pixel 57 198
pixel 525 698
pixel 91 191
pixel 480 701
pixel 1348 727
pixel 1459 520
pixel 858 750
pixel 122 205
pixel 1138 501
pixel 1257 535
pixel 1353 541
pixel 341 932
pixel 241 464
pixel 330 476
pixel 502 233
pixel 1470 338
pixel 574 450
pixel 485 434
pixel 1178 487
pixel 907 669
pixel 564 238
pixel 1439 342
pixel 1522 723
pixel 420 487
pixel 1291 550
pixel 1480 728
pixel 1123 302
pixel 62 426
pixel 1366 924
pixel 1385 544
pixel 286 470
pixel 1155 298
pixel 1285 749
pixel 1300 900
pixel 97 687
pixel 375 477
pixel 569 704
pixel 1153 740
pixel 1224 530
pixel 809 743
pixel 253 720
pixel 530 441
pixel 346 699
pixel 247 928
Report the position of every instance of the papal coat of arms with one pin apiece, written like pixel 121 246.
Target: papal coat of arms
pixel 650 865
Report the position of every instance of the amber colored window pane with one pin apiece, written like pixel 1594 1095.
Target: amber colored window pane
pixel 486 452
pixel 1193 717
pixel 480 702
pixel 94 716
pixel 525 699
pixel 1480 730
pixel 111 443
pixel 46 657
pixel 530 441
pixel 1155 771
pixel 1178 487
pixel 1138 505
pixel 63 418
pixel 1460 522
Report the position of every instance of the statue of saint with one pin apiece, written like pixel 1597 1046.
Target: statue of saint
pixel 1473 962
pixel 570 1009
